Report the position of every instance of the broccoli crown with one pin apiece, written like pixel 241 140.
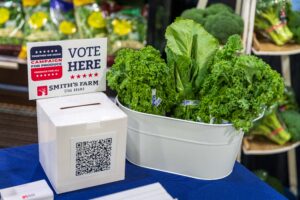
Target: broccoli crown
pixel 223 25
pixel 217 8
pixel 195 14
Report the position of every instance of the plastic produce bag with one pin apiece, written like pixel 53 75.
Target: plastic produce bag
pixel 38 23
pixel 11 23
pixel 127 29
pixel 270 21
pixel 63 17
pixel 90 19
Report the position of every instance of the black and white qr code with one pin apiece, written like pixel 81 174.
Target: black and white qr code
pixel 93 156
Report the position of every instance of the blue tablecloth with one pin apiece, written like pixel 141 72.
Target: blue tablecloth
pixel 20 165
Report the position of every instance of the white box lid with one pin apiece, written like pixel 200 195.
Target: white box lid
pixel 80 109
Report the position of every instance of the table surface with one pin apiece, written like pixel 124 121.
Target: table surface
pixel 20 165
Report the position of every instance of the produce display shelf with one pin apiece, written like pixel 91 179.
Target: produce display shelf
pixel 265 147
pixel 276 53
pixel 12 59
pixel 270 49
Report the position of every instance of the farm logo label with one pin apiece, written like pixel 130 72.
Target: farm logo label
pixel 66 67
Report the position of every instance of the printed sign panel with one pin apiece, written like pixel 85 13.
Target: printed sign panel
pixel 69 67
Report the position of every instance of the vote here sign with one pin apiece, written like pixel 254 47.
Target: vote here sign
pixel 69 67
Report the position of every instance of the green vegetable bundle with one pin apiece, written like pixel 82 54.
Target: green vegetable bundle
pixel 202 81
pixel 90 19
pixel 218 19
pixel 238 87
pixel 291 119
pixel 143 81
pixel 11 23
pixel 38 23
pixel 270 21
pixel 282 124
pixel 272 128
pixel 126 29
pixel 189 50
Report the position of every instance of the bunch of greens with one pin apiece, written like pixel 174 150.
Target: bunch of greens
pixel 189 50
pixel 293 19
pixel 63 17
pixel 289 113
pixel 238 88
pixel 38 23
pixel 291 119
pixel 90 19
pixel 281 124
pixel 271 127
pixel 126 29
pixel 218 19
pixel 270 21
pixel 143 81
pixel 11 23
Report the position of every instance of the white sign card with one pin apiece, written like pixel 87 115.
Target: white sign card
pixel 60 68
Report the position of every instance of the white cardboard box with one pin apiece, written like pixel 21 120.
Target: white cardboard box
pixel 82 141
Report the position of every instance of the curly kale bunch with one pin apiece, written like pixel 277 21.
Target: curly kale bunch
pixel 143 81
pixel 238 87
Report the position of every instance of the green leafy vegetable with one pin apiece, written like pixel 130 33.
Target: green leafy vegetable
pixel 268 22
pixel 143 81
pixel 189 50
pixel 291 119
pixel 271 128
pixel 238 87
pixel 293 19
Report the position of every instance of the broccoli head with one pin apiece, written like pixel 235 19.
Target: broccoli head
pixel 223 25
pixel 195 14
pixel 217 8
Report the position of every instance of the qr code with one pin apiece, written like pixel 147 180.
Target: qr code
pixel 93 156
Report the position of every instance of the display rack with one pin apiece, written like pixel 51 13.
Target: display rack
pixel 284 53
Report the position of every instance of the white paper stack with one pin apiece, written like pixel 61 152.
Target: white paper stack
pixel 149 192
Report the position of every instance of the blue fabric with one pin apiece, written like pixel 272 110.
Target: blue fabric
pixel 20 165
